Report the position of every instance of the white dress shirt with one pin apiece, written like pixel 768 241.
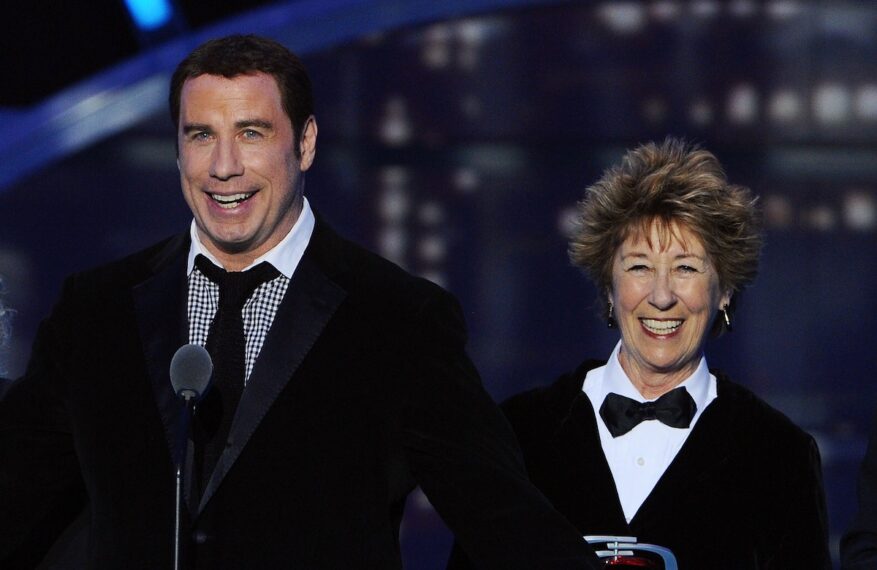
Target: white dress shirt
pixel 638 458
pixel 261 307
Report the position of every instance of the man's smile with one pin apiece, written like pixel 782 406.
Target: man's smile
pixel 231 201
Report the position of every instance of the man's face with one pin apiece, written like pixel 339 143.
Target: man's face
pixel 238 169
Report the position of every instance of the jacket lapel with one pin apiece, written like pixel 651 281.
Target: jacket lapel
pixel 593 492
pixel 703 455
pixel 309 303
pixel 160 308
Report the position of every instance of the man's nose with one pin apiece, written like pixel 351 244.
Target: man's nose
pixel 225 162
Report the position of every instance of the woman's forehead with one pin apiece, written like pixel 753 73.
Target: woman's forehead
pixel 660 235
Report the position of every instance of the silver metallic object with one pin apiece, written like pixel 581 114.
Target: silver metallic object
pixel 615 549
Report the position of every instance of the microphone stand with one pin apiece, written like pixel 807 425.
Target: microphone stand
pixel 189 397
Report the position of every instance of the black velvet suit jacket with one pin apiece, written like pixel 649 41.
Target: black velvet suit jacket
pixel 362 390
pixel 744 492
pixel 858 547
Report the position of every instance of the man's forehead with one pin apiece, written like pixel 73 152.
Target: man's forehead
pixel 256 79
pixel 205 93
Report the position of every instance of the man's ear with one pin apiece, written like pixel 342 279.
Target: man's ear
pixel 307 144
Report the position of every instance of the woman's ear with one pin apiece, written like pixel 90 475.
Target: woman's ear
pixel 725 299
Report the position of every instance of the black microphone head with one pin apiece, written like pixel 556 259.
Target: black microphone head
pixel 191 368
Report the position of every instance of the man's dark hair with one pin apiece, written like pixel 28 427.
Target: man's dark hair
pixel 237 55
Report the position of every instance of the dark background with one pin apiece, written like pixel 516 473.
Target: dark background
pixel 456 142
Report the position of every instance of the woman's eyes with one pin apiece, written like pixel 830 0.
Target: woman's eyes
pixel 685 269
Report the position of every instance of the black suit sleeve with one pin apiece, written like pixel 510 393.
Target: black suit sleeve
pixel 858 547
pixel 463 454
pixel 41 490
pixel 800 528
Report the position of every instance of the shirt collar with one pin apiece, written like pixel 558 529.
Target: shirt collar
pixel 284 256
pixel 614 379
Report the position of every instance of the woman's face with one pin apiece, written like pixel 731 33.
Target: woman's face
pixel 664 295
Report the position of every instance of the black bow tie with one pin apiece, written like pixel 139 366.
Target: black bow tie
pixel 621 414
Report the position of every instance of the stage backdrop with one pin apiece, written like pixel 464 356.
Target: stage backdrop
pixel 456 144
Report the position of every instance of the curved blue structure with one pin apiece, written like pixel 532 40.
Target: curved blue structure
pixel 119 97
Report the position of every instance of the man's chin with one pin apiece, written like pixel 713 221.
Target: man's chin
pixel 226 244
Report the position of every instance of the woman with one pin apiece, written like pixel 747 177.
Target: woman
pixel 704 467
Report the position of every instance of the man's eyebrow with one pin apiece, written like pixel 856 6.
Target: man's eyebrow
pixel 195 127
pixel 260 123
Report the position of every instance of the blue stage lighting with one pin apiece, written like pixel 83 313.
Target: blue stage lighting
pixel 149 15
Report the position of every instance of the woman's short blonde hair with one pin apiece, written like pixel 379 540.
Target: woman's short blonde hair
pixel 666 184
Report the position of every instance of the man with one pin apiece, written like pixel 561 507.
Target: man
pixel 352 385
pixel 858 546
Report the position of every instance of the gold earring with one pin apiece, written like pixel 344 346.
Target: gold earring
pixel 727 317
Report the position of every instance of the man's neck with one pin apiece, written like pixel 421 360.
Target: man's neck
pixel 233 261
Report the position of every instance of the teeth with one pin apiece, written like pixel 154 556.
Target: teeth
pixel 229 202
pixel 661 327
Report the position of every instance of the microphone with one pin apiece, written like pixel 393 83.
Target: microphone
pixel 190 372
pixel 191 368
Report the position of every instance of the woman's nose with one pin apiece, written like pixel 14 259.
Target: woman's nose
pixel 662 296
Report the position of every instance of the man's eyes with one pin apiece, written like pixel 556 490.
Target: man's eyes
pixel 247 134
